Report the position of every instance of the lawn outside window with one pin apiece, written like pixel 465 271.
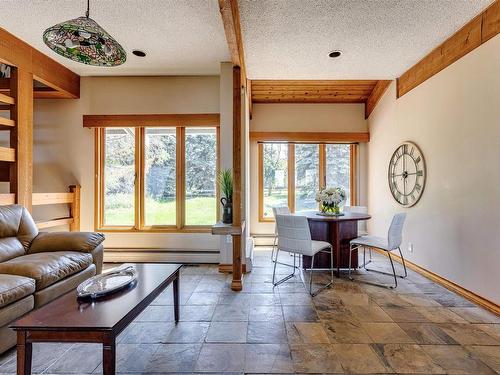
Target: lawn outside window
pixel 292 173
pixel 157 179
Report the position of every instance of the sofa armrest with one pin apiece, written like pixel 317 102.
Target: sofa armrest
pixel 84 242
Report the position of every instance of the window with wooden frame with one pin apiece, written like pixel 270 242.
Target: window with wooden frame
pixel 291 174
pixel 157 178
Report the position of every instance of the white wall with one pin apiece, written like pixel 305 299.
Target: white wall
pixel 454 117
pixel 302 118
pixel 64 150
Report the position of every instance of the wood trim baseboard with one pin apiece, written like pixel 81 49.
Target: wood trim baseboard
pixel 471 296
pixel 316 137
pixel 228 268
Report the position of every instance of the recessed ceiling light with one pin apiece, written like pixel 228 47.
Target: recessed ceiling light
pixel 335 54
pixel 139 53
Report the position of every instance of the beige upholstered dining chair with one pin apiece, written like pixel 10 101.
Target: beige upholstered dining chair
pixel 361 223
pixel 278 210
pixel 362 231
pixel 294 236
pixel 388 244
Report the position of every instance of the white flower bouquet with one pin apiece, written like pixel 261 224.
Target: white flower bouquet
pixel 331 200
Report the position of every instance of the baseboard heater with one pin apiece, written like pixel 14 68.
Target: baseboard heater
pixel 141 255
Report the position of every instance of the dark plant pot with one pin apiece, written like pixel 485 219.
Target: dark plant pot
pixel 227 211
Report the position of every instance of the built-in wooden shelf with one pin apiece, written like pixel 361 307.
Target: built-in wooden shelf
pixel 54 223
pixel 40 199
pixel 6 99
pixel 7 154
pixel 221 229
pixel 7 122
pixel 6 199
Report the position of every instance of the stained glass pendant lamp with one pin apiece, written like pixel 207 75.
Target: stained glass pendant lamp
pixel 83 40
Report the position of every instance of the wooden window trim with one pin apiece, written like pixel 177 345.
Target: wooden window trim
pixel 353 175
pixel 291 178
pixel 148 121
pixel 139 195
pixel 353 181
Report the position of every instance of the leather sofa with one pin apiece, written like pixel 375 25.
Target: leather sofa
pixel 36 268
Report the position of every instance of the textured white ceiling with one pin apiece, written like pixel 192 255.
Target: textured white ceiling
pixel 380 39
pixel 180 37
pixel 283 39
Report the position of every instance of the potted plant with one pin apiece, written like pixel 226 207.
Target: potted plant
pixel 225 181
pixel 331 200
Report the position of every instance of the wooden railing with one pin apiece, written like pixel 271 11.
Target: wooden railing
pixel 72 198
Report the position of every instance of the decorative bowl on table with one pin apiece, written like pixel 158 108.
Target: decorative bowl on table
pixel 107 283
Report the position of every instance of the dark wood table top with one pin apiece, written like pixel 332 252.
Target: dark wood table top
pixel 348 216
pixel 68 313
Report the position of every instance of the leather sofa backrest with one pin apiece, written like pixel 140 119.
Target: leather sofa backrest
pixel 17 230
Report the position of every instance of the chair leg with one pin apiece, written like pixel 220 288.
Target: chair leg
pixel 331 264
pixel 403 261
pixel 393 272
pixel 386 273
pixel 286 277
pixel 274 268
pixel 274 259
pixel 364 257
pixel 272 250
pixel 311 276
pixel 350 263
pixel 332 276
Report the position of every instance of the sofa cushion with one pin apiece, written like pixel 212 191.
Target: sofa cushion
pixel 10 247
pixel 50 293
pixel 17 230
pixel 47 268
pixel 13 288
pixel 84 242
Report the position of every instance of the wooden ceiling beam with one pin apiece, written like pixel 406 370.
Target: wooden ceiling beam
pixel 15 52
pixel 231 20
pixel 477 31
pixel 379 90
pixel 310 91
pixel 315 83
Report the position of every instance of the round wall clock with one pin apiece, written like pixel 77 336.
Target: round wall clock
pixel 407 174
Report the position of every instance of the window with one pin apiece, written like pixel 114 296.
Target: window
pixel 201 168
pixel 157 178
pixel 338 167
pixel 275 176
pixel 119 176
pixel 160 145
pixel 291 174
pixel 306 176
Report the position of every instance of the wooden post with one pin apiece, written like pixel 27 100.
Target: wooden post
pixel 21 136
pixel 74 210
pixel 236 283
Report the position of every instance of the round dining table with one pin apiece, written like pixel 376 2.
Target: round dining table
pixel 338 231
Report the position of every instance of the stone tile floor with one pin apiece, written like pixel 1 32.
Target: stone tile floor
pixel 419 328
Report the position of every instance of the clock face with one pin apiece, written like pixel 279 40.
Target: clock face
pixel 407 174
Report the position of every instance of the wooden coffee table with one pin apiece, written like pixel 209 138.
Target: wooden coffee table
pixel 68 320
